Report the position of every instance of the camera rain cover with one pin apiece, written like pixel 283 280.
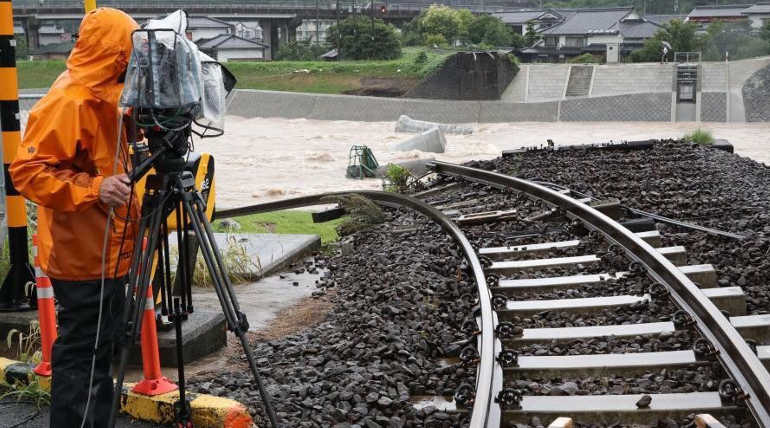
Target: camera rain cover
pixel 168 72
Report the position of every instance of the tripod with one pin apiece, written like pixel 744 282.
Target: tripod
pixel 173 190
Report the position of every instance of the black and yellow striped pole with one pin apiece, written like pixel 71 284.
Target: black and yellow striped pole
pixel 13 295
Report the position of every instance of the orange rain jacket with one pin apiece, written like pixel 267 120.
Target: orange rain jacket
pixel 69 148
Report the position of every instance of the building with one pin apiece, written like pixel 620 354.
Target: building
pixel 758 15
pixel 250 32
pixel 52 34
pixel 59 51
pixel 203 27
pixel 704 15
pixel 609 33
pixel 540 19
pixel 229 47
pixel 307 30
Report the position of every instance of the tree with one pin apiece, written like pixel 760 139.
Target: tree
pixel 300 51
pixel 530 36
pixel 441 20
pixel 466 20
pixel 489 30
pixel 680 35
pixel 353 36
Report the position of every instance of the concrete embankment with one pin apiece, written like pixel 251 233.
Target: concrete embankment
pixel 725 92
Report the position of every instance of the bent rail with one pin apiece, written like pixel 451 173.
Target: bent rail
pixel 736 355
pixel 488 378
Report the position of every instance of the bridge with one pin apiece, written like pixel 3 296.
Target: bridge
pixel 278 19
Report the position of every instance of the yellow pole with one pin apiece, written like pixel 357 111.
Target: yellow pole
pixel 12 293
pixel 89 5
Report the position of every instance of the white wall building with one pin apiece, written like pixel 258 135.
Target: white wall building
pixel 201 27
pixel 229 47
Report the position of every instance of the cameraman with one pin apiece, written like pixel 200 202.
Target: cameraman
pixel 67 165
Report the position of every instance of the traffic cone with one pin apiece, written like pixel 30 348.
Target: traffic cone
pixel 154 383
pixel 46 313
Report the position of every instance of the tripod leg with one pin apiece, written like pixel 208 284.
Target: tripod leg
pixel 135 292
pixel 236 320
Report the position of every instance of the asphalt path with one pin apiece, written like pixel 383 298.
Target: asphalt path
pixel 15 414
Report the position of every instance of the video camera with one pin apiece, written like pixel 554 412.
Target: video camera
pixel 174 91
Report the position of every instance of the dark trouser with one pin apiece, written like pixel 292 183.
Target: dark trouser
pixel 73 350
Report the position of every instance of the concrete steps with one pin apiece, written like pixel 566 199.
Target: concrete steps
pixel 579 83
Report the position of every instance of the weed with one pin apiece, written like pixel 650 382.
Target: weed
pixel 699 136
pixel 397 178
pixel 28 351
pixel 362 213
pixel 31 392
pixel 27 345
pixel 240 266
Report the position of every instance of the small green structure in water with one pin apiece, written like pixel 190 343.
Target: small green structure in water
pixel 361 163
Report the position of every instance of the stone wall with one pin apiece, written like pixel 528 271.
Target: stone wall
pixel 756 96
pixel 632 107
pixel 468 76
pixel 713 107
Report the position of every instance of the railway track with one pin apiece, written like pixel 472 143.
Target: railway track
pixel 576 315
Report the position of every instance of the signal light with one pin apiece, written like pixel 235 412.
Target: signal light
pixel 383 10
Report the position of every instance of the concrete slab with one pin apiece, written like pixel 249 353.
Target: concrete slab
pixel 203 332
pixel 269 252
pixel 651 237
pixel 545 335
pixel 551 366
pixel 755 327
pixel 730 299
pixel 606 408
pixel 261 301
pixel 586 304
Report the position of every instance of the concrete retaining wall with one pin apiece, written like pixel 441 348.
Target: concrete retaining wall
pixel 618 79
pixel 251 103
pixel 632 107
pixel 713 107
pixel 546 82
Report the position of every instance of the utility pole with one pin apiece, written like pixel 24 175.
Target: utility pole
pixel 339 40
pixel 317 23
pixel 371 10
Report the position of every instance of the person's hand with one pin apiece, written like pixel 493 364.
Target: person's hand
pixel 115 191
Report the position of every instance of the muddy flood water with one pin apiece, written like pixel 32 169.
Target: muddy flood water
pixel 260 159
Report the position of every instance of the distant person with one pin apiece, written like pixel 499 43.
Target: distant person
pixel 664 52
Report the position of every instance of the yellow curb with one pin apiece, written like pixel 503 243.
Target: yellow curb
pixel 207 410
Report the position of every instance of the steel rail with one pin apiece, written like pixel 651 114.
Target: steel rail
pixel 732 350
pixel 488 376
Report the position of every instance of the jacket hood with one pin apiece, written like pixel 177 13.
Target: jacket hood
pixel 102 52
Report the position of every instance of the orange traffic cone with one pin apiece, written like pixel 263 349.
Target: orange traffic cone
pixel 46 313
pixel 154 383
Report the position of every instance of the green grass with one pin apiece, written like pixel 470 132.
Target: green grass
pixel 297 76
pixel 285 222
pixel 699 136
pixel 38 74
